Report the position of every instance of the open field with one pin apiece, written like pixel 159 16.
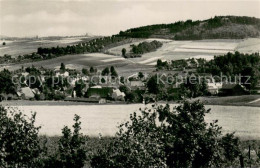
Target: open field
pixel 245 100
pixel 171 50
pixel 21 47
pixel 104 119
pixel 98 60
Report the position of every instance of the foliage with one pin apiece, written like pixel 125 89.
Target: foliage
pixel 161 65
pixel 230 144
pixel 62 67
pixel 134 96
pixel 194 87
pixel 80 85
pixel 161 137
pixel 113 71
pixel 71 148
pixel 195 30
pixel 85 71
pixel 146 47
pixel 158 137
pixel 105 71
pixel 19 143
pixel 123 52
pixel 6 84
pixel 91 70
pixel 94 45
pixel 140 75
pixel 153 85
pixel 235 64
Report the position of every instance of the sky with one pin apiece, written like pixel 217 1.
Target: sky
pixel 23 18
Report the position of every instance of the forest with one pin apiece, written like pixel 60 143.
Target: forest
pixel 217 27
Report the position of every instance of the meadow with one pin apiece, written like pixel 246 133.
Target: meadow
pixel 21 47
pixel 174 50
pixel 171 50
pixel 104 119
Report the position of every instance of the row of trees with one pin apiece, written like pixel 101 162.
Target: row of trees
pixel 146 47
pixel 141 48
pixel 158 137
pixel 95 45
pixel 233 64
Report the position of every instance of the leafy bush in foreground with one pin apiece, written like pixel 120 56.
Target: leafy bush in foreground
pixel 158 137
pixel 71 149
pixel 19 143
pixel 164 137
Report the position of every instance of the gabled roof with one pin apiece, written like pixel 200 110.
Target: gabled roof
pixel 27 92
pixel 229 85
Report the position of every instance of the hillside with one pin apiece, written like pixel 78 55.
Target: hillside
pixel 219 27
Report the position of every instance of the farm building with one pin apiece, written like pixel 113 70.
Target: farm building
pixel 88 100
pixel 26 93
pixel 136 84
pixel 232 89
pixel 118 95
pixel 105 92
pixel 214 88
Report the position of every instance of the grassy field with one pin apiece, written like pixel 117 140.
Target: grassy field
pixel 171 50
pixel 174 50
pixel 245 100
pixel 21 47
pixel 98 60
pixel 105 118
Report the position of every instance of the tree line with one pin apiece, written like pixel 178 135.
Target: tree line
pixel 234 64
pixel 195 30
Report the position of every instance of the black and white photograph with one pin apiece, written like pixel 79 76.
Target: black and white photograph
pixel 129 83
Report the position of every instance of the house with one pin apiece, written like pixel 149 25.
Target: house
pixel 95 87
pixel 25 74
pixel 214 88
pixel 26 93
pixel 230 89
pixel 36 91
pixel 118 95
pixel 105 92
pixel 136 84
pixel 134 76
pixel 59 73
pixel 87 100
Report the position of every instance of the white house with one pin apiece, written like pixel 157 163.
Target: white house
pixel 214 87
pixel 118 95
pixel 136 84
pixel 65 74
pixel 27 93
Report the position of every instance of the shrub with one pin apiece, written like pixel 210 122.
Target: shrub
pixel 162 137
pixel 71 148
pixel 19 143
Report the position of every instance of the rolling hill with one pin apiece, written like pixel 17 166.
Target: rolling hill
pixel 219 27
pixel 181 40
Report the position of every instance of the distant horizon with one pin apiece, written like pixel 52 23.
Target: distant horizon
pixel 30 18
pixel 89 35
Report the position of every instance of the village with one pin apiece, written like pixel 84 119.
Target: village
pixel 64 83
pixel 68 84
